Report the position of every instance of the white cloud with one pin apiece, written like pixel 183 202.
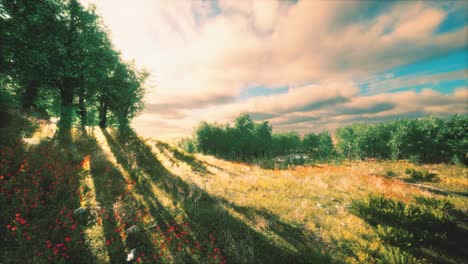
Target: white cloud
pixel 198 52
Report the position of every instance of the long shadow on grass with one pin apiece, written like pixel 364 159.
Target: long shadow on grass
pixel 206 213
pixel 109 185
pixel 432 229
pixel 110 188
pixel 175 155
pixel 293 235
pixel 196 165
pixel 307 251
pixel 143 186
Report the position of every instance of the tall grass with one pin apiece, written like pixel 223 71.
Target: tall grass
pixel 429 223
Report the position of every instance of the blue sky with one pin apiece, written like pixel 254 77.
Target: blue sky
pixel 450 62
pixel 301 65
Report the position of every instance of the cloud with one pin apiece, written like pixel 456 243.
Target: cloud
pixel 372 109
pixel 393 83
pixel 204 54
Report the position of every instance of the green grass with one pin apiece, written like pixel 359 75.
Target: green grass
pixel 199 209
pixel 431 228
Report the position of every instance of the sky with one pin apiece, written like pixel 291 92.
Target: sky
pixel 303 65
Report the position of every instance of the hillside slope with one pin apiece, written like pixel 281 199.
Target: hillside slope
pixel 114 193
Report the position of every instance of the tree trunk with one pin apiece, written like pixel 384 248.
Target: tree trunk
pixel 28 99
pixel 82 107
pixel 103 114
pixel 66 110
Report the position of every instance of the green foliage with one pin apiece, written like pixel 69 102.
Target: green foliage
pixel 286 143
pixel 426 140
pixel 394 255
pixel 57 61
pixel 319 146
pixel 187 145
pixel 245 140
pixel 421 175
pixel 431 223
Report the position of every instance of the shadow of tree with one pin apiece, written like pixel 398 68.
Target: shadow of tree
pixel 55 180
pixel 205 212
pixel 307 250
pixel 110 187
pixel 196 165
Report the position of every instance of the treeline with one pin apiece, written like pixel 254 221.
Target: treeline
pixel 248 140
pixel 57 60
pixel 427 140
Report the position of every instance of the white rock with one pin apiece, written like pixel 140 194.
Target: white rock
pixel 132 229
pixel 79 211
pixel 131 255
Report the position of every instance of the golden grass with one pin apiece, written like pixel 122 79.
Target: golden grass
pixel 295 209
pixel 316 198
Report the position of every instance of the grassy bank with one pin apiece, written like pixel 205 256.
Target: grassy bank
pixel 174 207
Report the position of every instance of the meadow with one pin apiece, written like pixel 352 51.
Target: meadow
pixel 116 197
pixel 366 163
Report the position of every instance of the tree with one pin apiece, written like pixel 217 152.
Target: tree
pixel 325 146
pixel 27 44
pixel 347 142
pixel 262 138
pixel 127 95
pixel 455 136
pixel 310 144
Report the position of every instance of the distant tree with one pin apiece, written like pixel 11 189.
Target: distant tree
pixel 262 139
pixel 432 139
pixel 325 146
pixel 347 142
pixel 455 136
pixel 310 144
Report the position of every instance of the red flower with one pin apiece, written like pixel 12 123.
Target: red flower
pixel 73 227
pixel 108 242
pixel 56 251
pixel 67 239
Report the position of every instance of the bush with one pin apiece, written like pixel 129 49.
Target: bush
pixel 394 255
pixel 423 175
pixel 430 223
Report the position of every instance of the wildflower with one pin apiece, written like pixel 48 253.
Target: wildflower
pixel 68 239
pixel 108 242
pixel 73 227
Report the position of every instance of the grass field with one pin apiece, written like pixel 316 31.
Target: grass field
pixel 174 207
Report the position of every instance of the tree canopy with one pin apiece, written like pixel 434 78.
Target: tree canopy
pixel 57 61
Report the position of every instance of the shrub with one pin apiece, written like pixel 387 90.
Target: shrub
pixel 423 175
pixel 427 224
pixel 394 255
